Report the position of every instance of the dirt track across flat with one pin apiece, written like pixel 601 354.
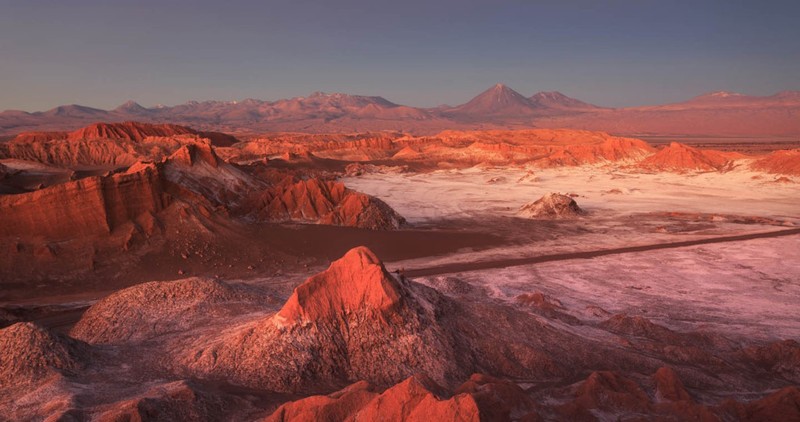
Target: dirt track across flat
pixel 503 263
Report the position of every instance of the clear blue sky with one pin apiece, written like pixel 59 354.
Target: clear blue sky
pixel 419 53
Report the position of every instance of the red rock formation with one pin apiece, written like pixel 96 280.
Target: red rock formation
pixel 86 207
pixel 679 157
pixel 406 153
pixel 780 357
pixel 323 202
pixel 175 401
pixel 32 137
pixel 781 162
pixel 189 155
pixel 606 391
pixel 115 144
pixel 669 387
pixel 406 401
pixel 552 205
pixel 150 309
pixel 498 400
pixel 131 131
pixel 357 280
pixel 782 405
pixel 351 322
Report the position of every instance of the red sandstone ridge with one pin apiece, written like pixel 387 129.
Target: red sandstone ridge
pixel 351 322
pixel 323 202
pixel 781 162
pixel 86 207
pixel 132 131
pixel 116 144
pixel 355 281
pixel 679 157
pixel 406 401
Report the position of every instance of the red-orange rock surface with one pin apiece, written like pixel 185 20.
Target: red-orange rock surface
pixel 351 322
pixel 781 162
pixel 406 401
pixel 86 207
pixel 323 202
pixel 106 144
pixel 679 157
pixel 669 386
pixel 133 131
pixel 355 281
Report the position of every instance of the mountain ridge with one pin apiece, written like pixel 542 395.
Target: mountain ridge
pixel 719 113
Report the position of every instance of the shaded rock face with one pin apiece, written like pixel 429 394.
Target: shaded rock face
pixel 148 310
pixel 499 400
pixel 323 202
pixel 345 324
pixel 32 354
pixel 552 205
pixel 175 401
pixel 406 401
pixel 680 157
pixel 669 386
pixel 781 357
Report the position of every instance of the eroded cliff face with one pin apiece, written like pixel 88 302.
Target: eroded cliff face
pixel 86 207
pixel 322 202
pixel 106 144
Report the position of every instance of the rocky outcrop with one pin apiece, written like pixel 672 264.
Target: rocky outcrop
pixel 679 157
pixel 86 207
pixel 669 386
pixel 148 310
pixel 323 202
pixel 175 401
pixel 351 322
pixel 132 131
pixel 780 357
pixel 32 354
pixel 499 399
pixel 107 144
pixel 406 401
pixel 552 205
pixel 780 162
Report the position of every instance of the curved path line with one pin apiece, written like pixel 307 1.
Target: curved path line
pixel 513 262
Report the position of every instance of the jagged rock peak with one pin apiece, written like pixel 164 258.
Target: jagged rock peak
pixel 356 281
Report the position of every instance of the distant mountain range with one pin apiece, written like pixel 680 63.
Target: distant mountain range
pixel 499 107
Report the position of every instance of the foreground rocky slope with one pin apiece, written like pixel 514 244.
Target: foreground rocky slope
pixel 343 324
pixel 355 342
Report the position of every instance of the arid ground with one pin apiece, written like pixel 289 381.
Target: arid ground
pixel 154 272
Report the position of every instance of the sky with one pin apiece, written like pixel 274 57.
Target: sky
pixel 419 53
